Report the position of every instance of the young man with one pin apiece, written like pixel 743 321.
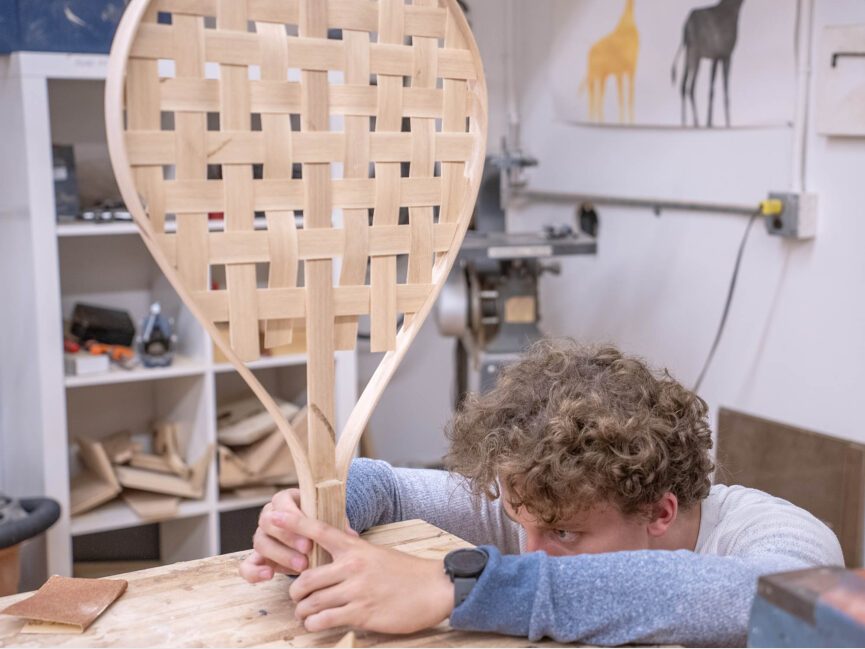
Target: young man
pixel 584 477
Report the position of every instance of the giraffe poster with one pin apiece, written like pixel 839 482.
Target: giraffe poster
pixel 674 63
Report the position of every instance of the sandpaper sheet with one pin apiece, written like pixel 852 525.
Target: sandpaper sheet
pixel 67 604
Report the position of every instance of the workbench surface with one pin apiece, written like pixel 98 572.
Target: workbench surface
pixel 205 603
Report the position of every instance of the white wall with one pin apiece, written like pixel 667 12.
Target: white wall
pixel 794 349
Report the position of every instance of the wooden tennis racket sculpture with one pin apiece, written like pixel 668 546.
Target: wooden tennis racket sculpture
pixel 262 89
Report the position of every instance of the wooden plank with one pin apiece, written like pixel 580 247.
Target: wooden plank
pixel 383 276
pixel 420 259
pixel 150 506
pixel 357 159
pixel 284 98
pixel 279 154
pixel 143 113
pixel 232 19
pixel 245 421
pixel 205 603
pixel 96 484
pixel 119 447
pixel 824 475
pixel 148 147
pixel 190 130
pixel 348 301
pixel 360 15
pixel 170 485
pixel 318 278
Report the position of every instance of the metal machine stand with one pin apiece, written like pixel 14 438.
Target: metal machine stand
pixel 490 303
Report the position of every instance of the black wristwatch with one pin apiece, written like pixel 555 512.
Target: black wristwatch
pixel 464 567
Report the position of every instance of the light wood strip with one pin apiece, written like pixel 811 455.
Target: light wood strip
pixel 243 48
pixel 321 243
pixel 238 188
pixel 190 7
pixel 318 279
pixel 356 15
pixel 383 275
pixel 454 182
pixel 249 147
pixel 420 257
pixel 143 113
pixel 278 158
pixel 425 20
pixel 208 196
pixel 357 159
pixel 191 155
pixel 348 301
pixel 202 95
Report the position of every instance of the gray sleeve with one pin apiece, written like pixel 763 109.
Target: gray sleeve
pixel 644 597
pixel 377 494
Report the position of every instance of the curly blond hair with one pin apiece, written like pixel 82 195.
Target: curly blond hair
pixel 568 427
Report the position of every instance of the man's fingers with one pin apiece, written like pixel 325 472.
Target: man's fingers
pixel 316 579
pixel 286 500
pixel 268 521
pixel 321 600
pixel 256 568
pixel 330 538
pixel 331 618
pixel 278 553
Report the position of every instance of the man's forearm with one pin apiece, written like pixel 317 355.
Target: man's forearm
pixel 372 497
pixel 625 597
pixel 377 494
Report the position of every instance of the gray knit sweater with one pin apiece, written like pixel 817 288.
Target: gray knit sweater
pixel 700 598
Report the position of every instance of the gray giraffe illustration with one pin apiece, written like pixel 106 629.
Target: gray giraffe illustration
pixel 709 33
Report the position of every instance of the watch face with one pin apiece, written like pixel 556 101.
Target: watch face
pixel 466 563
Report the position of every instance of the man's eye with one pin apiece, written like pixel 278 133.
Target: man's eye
pixel 565 536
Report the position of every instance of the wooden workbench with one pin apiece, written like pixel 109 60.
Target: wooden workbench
pixel 205 603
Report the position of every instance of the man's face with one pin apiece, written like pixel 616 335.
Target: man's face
pixel 602 528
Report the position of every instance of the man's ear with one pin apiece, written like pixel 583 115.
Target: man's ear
pixel 663 514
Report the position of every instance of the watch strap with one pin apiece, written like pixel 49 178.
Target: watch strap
pixel 463 588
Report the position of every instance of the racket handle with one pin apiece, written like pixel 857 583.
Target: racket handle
pixel 330 509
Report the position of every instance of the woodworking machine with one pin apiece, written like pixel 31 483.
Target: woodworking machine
pixel 490 301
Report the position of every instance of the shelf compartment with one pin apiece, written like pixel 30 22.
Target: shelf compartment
pixel 117 515
pixel 229 502
pixel 182 367
pixel 290 360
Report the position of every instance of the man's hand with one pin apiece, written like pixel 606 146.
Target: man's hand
pixel 365 587
pixel 275 549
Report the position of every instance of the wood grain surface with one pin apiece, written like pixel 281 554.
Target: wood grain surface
pixel 205 603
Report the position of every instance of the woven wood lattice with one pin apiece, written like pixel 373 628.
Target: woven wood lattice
pixel 334 137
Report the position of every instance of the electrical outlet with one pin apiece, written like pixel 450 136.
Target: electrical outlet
pixel 798 219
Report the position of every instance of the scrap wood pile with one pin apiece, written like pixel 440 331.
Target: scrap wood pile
pixel 253 455
pixel 151 483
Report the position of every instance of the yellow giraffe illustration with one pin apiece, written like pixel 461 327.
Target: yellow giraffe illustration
pixel 614 55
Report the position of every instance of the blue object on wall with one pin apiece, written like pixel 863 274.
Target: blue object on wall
pixel 80 26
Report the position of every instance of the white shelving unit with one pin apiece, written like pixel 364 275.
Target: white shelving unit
pixel 46 267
